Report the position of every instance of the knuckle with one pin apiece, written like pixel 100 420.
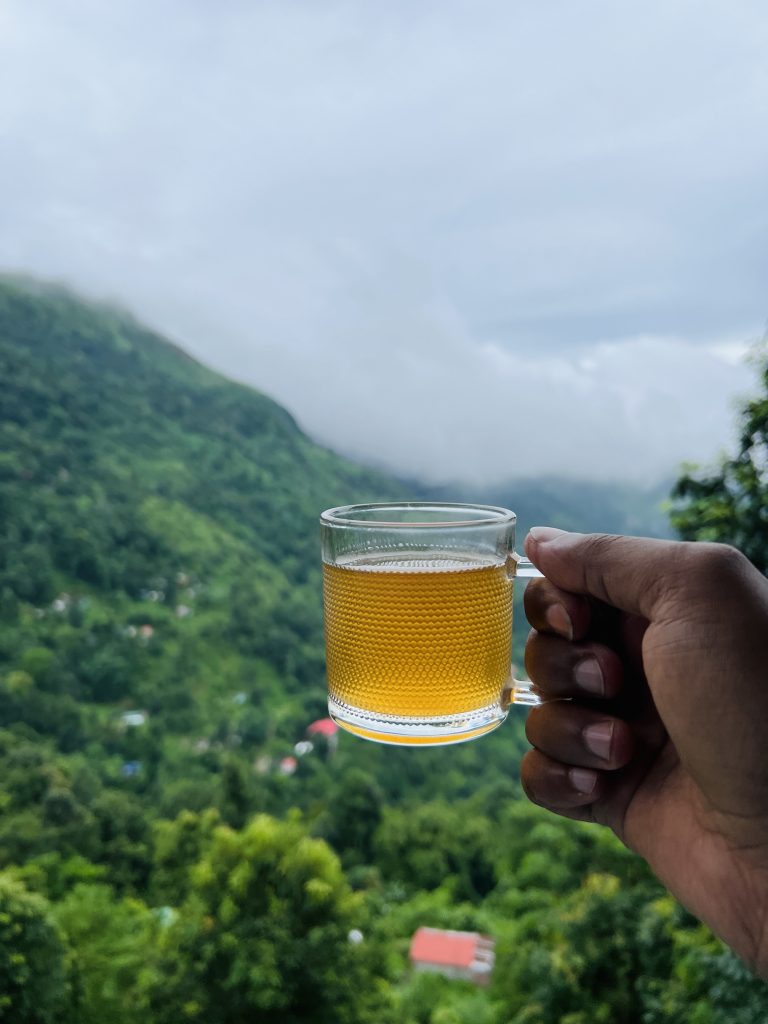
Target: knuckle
pixel 534 596
pixel 528 777
pixel 530 792
pixel 713 564
pixel 532 637
pixel 533 588
pixel 600 550
pixel 727 558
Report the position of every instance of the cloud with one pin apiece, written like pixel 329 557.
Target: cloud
pixel 419 225
pixel 455 407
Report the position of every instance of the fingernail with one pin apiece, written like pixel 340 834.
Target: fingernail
pixel 542 534
pixel 597 738
pixel 583 779
pixel 589 676
pixel 559 619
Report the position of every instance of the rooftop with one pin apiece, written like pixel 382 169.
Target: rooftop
pixel 449 948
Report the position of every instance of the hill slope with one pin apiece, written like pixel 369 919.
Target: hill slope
pixel 130 474
pixel 96 406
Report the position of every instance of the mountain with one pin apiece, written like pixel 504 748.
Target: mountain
pixel 128 469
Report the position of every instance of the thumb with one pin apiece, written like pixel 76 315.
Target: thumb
pixel 634 574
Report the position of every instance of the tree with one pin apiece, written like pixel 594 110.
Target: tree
pixel 576 961
pixel 352 817
pixel 423 844
pixel 36 978
pixel 432 999
pixel 613 954
pixel 123 838
pixel 113 943
pixel 236 799
pixel 178 846
pixel 264 935
pixel 730 504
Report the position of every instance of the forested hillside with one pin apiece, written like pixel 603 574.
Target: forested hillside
pixel 166 853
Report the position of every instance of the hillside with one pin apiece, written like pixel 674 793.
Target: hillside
pixel 129 470
pixel 166 853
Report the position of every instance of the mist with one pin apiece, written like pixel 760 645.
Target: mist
pixel 462 240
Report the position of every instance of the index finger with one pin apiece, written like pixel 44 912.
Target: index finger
pixel 634 574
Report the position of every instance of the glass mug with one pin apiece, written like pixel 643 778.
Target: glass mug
pixel 417 600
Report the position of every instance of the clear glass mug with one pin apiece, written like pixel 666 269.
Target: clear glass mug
pixel 417 600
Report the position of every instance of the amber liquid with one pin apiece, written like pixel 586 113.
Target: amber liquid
pixel 417 637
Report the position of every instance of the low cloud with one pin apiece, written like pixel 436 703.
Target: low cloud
pixel 452 407
pixel 458 238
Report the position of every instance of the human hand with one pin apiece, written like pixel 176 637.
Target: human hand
pixel 652 659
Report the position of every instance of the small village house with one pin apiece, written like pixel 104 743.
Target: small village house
pixel 466 955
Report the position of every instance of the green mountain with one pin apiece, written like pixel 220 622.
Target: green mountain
pixel 128 470
pixel 160 657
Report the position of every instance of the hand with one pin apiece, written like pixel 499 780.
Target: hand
pixel 661 649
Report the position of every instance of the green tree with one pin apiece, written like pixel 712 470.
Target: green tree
pixel 575 962
pixel 178 846
pixel 236 796
pixel 423 844
pixel 608 953
pixel 36 980
pixel 113 946
pixel 124 836
pixel 730 504
pixel 433 999
pixel 264 936
pixel 706 983
pixel 353 814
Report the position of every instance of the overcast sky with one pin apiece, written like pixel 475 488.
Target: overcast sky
pixel 464 239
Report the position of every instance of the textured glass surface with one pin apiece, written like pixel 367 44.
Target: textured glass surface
pixel 421 637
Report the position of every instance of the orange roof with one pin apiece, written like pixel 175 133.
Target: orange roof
pixel 436 946
pixel 323 726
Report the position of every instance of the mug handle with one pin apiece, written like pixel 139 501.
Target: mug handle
pixel 520 691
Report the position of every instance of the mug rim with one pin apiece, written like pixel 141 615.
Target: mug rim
pixel 344 515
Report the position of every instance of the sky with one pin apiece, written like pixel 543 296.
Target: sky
pixel 464 240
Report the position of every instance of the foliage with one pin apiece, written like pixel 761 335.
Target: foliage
pixel 264 935
pixel 36 981
pixel 730 503
pixel 422 846
pixel 113 940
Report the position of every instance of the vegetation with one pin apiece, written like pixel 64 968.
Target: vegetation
pixel 730 503
pixel 161 654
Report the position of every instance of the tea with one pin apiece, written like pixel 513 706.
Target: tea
pixel 420 636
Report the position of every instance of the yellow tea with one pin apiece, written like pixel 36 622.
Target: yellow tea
pixel 417 636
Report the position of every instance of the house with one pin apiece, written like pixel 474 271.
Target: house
pixel 466 955
pixel 133 719
pixel 325 729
